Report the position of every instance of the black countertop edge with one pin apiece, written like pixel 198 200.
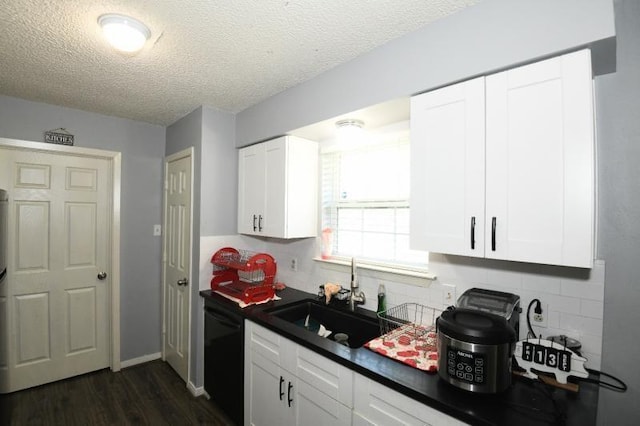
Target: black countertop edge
pixel 526 402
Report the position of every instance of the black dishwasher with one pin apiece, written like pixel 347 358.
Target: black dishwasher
pixel 224 358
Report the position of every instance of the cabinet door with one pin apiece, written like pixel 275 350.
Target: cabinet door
pixel 275 395
pixel 265 392
pixel 278 188
pixel 540 162
pixel 447 169
pixel 376 404
pixel 275 195
pixel 326 376
pixel 269 345
pixel 313 407
pixel 267 386
pixel 301 203
pixel 251 189
pixel 324 390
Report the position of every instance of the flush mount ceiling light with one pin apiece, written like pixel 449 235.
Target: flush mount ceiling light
pixel 349 130
pixel 123 32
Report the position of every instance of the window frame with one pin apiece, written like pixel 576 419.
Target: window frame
pixel 388 136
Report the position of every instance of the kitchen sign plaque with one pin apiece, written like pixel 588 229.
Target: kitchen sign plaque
pixel 59 136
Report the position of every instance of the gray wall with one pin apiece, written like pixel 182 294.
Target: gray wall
pixel 618 109
pixel 219 194
pixel 218 197
pixel 489 36
pixel 142 148
pixel 212 134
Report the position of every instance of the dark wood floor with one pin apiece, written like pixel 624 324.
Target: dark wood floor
pixel 145 394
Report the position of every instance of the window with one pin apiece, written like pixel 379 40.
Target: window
pixel 365 199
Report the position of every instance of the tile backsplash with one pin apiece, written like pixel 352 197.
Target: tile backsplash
pixel 572 298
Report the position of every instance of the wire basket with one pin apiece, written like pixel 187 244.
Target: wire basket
pixel 412 320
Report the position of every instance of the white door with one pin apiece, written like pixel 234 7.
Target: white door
pixel 447 169
pixel 177 261
pixel 540 171
pixel 59 266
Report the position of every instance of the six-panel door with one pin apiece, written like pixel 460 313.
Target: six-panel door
pixel 58 287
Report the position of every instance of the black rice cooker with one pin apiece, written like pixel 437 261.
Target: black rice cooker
pixel 475 349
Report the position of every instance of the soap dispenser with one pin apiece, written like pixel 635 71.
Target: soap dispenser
pixel 382 302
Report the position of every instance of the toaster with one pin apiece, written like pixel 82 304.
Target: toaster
pixel 506 305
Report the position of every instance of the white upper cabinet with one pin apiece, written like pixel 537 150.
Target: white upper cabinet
pixel 524 176
pixel 277 188
pixel 540 162
pixel 447 169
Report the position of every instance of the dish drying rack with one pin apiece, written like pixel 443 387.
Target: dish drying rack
pixel 415 321
pixel 244 275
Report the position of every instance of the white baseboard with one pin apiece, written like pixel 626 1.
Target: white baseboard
pixel 140 360
pixel 196 391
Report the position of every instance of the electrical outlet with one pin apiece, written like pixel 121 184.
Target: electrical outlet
pixel 294 264
pixel 157 230
pixel 540 320
pixel 448 295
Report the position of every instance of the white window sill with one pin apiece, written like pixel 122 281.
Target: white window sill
pixel 408 275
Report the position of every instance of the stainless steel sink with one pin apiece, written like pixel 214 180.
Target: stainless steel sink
pixel 310 314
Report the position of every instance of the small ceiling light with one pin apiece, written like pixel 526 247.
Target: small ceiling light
pixel 123 32
pixel 349 130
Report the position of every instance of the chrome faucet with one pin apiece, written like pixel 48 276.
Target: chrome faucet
pixel 355 296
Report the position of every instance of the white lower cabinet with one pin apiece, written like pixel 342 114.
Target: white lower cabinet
pixel 313 407
pixel 286 384
pixel 265 393
pixel 376 404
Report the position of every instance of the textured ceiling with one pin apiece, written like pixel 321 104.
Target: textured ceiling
pixel 227 54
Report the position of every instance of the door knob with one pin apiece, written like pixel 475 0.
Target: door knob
pixel 102 275
pixel 183 281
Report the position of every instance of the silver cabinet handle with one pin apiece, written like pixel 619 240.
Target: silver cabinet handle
pixel 183 281
pixel 102 275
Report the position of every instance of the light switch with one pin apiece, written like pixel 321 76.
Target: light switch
pixel 157 230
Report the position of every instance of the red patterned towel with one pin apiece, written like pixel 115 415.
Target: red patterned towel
pixel 411 344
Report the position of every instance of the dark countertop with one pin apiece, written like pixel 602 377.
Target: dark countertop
pixel 525 403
